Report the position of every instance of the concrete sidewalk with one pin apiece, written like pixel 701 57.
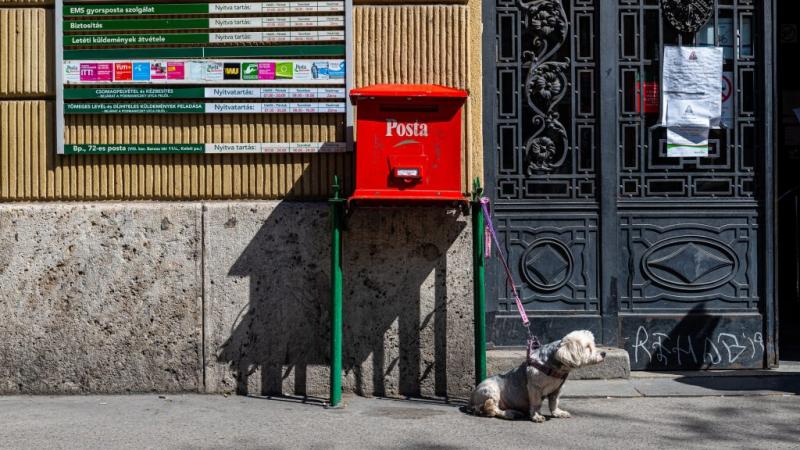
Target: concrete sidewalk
pixel 212 421
pixel 785 380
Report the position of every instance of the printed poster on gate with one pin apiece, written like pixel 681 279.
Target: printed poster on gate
pixel 691 98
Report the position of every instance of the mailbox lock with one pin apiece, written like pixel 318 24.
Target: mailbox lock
pixel 408 174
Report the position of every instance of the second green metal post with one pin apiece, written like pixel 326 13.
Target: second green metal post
pixel 478 283
pixel 337 214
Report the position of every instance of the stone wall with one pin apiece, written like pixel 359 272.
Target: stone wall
pixel 231 297
pixel 100 298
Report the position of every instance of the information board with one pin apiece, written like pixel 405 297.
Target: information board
pixel 166 58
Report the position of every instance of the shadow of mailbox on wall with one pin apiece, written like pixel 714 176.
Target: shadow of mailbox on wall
pixel 396 265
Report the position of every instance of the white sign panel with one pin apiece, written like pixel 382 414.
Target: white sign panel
pixel 288 147
pixel 727 100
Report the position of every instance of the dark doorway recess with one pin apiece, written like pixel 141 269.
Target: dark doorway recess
pixel 788 158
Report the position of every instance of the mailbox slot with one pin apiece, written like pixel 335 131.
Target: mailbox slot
pixel 410 108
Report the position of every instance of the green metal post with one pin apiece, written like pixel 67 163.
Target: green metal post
pixel 337 213
pixel 478 282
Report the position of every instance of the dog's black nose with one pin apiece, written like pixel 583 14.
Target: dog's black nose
pixel 603 354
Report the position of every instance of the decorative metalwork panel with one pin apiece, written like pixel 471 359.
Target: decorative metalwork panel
pixel 678 260
pixel 690 263
pixel 674 247
pixel 688 16
pixel 546 115
pixel 729 171
pixel 554 258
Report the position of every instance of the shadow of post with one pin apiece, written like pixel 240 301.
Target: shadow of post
pixel 396 299
pixel 692 329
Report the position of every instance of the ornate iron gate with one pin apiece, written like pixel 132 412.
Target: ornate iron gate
pixel 668 257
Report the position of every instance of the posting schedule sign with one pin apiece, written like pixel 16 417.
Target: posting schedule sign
pixel 163 58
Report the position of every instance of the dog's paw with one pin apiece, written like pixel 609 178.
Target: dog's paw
pixel 561 414
pixel 538 418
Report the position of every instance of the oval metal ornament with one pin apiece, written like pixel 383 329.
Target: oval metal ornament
pixel 690 263
pixel 688 16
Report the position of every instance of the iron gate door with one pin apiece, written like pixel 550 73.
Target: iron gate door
pixel 669 258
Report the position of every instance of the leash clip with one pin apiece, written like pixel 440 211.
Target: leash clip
pixel 533 343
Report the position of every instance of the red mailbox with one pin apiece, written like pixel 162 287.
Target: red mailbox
pixel 408 144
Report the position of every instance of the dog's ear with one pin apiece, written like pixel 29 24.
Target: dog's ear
pixel 584 336
pixel 569 352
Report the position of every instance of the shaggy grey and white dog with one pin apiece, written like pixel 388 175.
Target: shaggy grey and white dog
pixel 511 394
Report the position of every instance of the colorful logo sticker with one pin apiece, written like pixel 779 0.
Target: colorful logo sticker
pixel 158 71
pixel 302 70
pixel 319 70
pixel 123 71
pixel 72 72
pixel 105 71
pixel 266 71
pixel 214 71
pixel 195 71
pixel 336 68
pixel 88 72
pixel 232 71
pixel 249 71
pixel 141 71
pixel 175 70
pixel 284 69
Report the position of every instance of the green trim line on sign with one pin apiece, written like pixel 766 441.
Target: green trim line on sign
pixel 208 108
pixel 270 51
pixel 131 93
pixel 134 108
pixel 90 10
pixel 135 24
pixel 276 51
pixel 116 40
pixel 687 145
pixel 234 148
pixel 125 149
pixel 312 21
pixel 136 39
pixel 135 10
pixel 93 54
pixel 122 93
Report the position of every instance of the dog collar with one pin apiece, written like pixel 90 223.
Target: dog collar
pixel 548 370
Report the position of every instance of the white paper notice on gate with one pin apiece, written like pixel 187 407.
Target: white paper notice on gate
pixel 688 113
pixel 693 74
pixel 687 142
pixel 691 102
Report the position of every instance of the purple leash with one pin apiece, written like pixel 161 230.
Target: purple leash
pixel 533 341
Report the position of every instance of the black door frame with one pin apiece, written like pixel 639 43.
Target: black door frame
pixel 769 272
